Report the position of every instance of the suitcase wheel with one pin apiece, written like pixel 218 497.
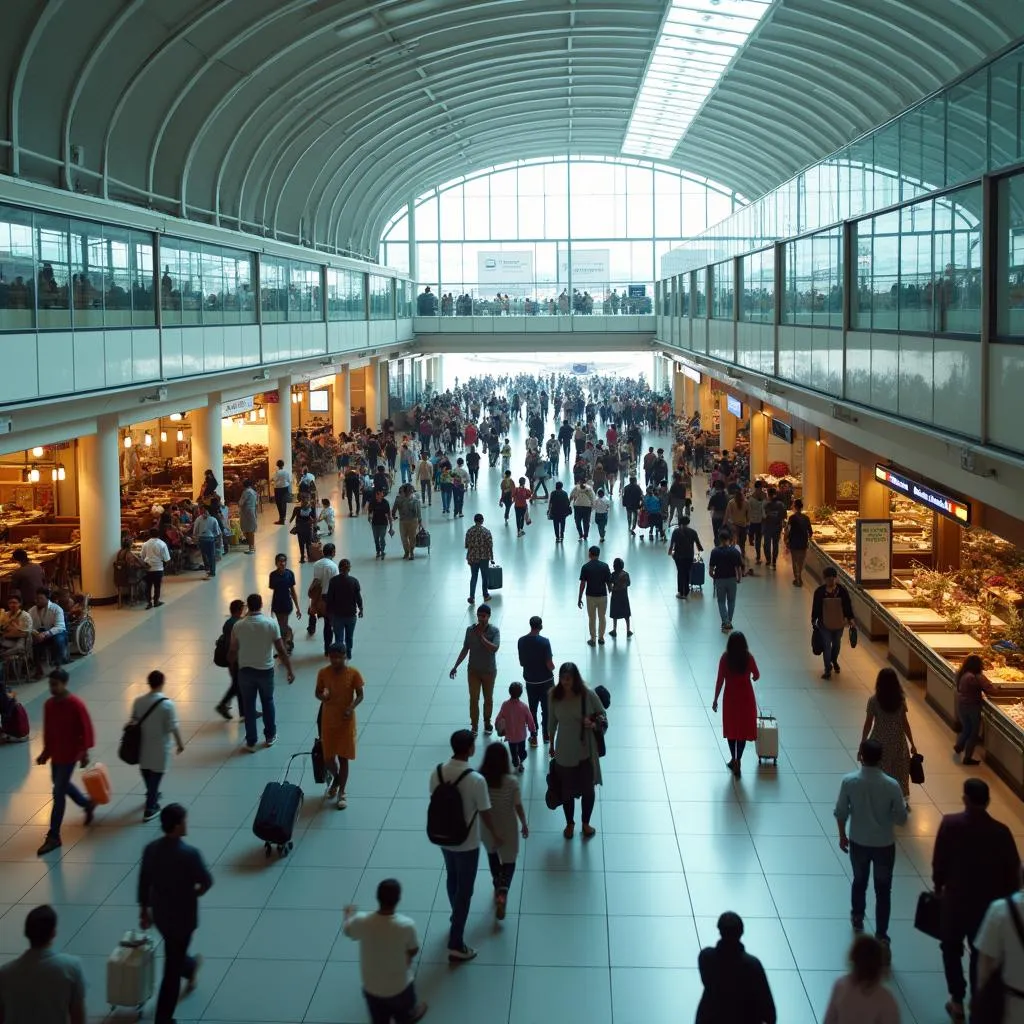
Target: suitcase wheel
pixel 266 849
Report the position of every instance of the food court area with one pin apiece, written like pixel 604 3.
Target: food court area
pixel 934 574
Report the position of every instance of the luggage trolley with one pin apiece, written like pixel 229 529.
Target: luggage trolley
pixel 278 811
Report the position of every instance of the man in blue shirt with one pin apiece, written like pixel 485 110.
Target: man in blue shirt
pixel 875 803
pixel 538 673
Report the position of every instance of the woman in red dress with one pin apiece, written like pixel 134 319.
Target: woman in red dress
pixel 736 672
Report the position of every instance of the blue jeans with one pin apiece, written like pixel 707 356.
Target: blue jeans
pixel 253 682
pixel 446 497
pixel 725 594
pixel 831 641
pixel 380 536
pixel 601 518
pixel 458 497
pixel 406 473
pixel 478 569
pixel 208 549
pixel 63 788
pixel 461 876
pixel 152 781
pixel 344 630
pixel 861 860
pixel 384 1010
pixel 970 726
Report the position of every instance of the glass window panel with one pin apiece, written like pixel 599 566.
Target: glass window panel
pixel 640 214
pixel 141 270
pixel 89 273
pixel 399 231
pixel 556 179
pixel 700 293
pixel 694 211
pixel 478 216
pixel 426 264
pixel 556 217
pixel 212 273
pixel 885 264
pixel 1010 273
pixel 345 295
pixel 381 298
pixel 53 279
pixel 1006 128
pixel 180 282
pixel 273 290
pixel 915 288
pixel 453 271
pixel 504 184
pixel 967 129
pixel 757 303
pixel 397 255
pixel 531 181
pixel 531 216
pixel 957 265
pixel 452 221
pixel 722 291
pixel 117 286
pixel 719 207
pixel 504 222
pixel 426 220
pixel 17 270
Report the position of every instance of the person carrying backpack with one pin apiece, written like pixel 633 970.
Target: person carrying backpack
pixel 459 800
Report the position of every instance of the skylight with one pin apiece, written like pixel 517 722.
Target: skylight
pixel 698 42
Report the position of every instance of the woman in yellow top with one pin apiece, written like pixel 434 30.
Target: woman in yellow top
pixel 340 691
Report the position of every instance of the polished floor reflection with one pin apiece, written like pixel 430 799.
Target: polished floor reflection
pixel 679 840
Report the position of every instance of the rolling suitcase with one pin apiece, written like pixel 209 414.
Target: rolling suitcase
pixel 493 577
pixel 697 571
pixel 278 811
pixel 423 539
pixel 131 971
pixel 767 737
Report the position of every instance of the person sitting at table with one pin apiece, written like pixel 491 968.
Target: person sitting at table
pixel 49 634
pixel 15 625
pixel 28 577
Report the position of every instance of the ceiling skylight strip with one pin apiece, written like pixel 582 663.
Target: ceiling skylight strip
pixel 699 39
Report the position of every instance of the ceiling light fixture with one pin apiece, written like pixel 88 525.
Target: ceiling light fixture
pixel 181 435
pixel 37 452
pixel 698 42
pixel 127 440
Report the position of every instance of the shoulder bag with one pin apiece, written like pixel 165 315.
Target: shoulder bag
pixel 989 1002
pixel 130 748
pixel 600 726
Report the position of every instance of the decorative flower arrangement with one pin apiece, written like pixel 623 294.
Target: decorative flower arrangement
pixel 778 468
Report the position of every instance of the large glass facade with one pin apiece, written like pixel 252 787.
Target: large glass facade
pixel 537 231
pixel 346 294
pixel 382 302
pixel 757 281
pixel 813 282
pixel 1010 271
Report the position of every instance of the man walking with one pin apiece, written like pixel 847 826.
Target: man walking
pixel 172 877
pixel 158 723
pixel 538 674
pixel 975 863
pixel 596 581
pixel 632 499
pixel 67 738
pixel 41 986
pixel 207 533
pixel 726 569
pixel 875 803
pixel 462 859
pixel 410 519
pixel 481 644
pixel 379 516
pixel 831 609
pixel 282 491
pixel 344 604
pixel 479 555
pixel 324 570
pixel 388 944
pixel 156 555
pixel 254 641
pixel 771 526
pixel 798 536
pixel 682 548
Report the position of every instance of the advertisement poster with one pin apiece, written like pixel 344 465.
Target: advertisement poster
pixel 589 267
pixel 505 271
pixel 874 552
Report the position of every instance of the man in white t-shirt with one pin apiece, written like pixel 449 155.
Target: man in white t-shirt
pixel 1000 943
pixel 388 944
pixel 155 554
pixel 282 490
pixel 324 571
pixel 461 861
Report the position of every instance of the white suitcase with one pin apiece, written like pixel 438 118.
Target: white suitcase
pixel 767 737
pixel 131 971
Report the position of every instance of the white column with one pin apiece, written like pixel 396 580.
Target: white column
pixel 371 380
pixel 100 508
pixel 341 403
pixel 207 444
pixel 279 427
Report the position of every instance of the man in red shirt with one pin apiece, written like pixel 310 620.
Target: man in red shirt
pixel 67 738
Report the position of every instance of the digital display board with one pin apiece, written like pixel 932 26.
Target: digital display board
pixel 734 405
pixel 951 508
pixel 783 431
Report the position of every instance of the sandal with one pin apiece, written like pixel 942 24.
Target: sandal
pixel 569 830
pixel 589 831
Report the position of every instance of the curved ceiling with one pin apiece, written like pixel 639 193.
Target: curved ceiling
pixel 316 119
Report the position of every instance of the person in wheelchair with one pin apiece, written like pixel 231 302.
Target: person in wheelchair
pixel 49 632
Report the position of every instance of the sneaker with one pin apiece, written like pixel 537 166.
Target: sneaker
pixel 826 675
pixel 836 668
pixel 49 845
pixel 469 600
pixel 461 955
pixel 533 741
pixel 957 749
pixel 190 985
pixel 601 641
pixel 90 812
pixel 222 710
pixel 149 606
pixel 249 748
pixel 956 1012
pixel 150 813
pixel 342 802
pixel 591 643
pixel 487 597
pixel 270 741
pixel 333 791
pixel 886 949
pixel 857 923
pixel 488 728
pixel 158 604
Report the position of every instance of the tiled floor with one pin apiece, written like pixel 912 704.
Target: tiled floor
pixel 679 841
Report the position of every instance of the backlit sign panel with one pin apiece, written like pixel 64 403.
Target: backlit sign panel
pixel 951 508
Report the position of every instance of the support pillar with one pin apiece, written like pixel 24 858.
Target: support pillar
pixel 814 473
pixel 873 501
pixel 689 397
pixel 207 444
pixel 829 480
pixel 705 402
pixel 947 543
pixel 279 428
pixel 371 378
pixel 100 508
pixel 759 431
pixel 729 424
pixel 341 403
pixel 678 393
pixel 438 377
pixel 383 392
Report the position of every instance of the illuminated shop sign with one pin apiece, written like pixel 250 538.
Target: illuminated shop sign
pixel 735 406
pixel 951 508
pixel 689 371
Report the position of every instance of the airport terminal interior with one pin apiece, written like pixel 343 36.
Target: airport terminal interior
pixel 244 243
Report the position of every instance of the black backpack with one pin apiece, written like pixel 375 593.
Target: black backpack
pixel 602 694
pixel 446 821
pixel 130 748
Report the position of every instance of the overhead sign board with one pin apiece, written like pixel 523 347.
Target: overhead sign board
pixel 734 405
pixel 239 405
pixel 688 371
pixel 505 269
pixel 952 508
pixel 316 383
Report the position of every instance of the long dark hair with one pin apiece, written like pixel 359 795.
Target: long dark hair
pixel 973 664
pixel 888 691
pixel 495 765
pixel 568 668
pixel 737 652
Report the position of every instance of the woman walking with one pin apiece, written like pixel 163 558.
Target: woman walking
pixel 970 685
pixel 601 506
pixel 248 500
pixel 521 498
pixel 619 605
pixel 576 715
pixel 158 724
pixel 737 672
pixel 507 486
pixel 304 518
pixel 506 808
pixel 860 997
pixel 887 722
pixel 737 518
pixel 282 585
pixel 339 688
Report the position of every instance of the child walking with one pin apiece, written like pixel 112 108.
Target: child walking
pixel 515 722
pixel 326 517
pixel 506 807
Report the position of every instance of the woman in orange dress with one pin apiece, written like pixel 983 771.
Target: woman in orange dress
pixel 340 691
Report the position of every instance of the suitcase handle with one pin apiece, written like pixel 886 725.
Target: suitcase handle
pixel 288 765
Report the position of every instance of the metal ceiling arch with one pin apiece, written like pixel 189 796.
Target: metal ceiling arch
pixel 363 97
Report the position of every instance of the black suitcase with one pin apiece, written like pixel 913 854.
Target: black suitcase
pixel 697 571
pixel 277 813
pixel 493 577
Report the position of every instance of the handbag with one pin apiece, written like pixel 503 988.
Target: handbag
pixel 917 769
pixel 600 726
pixel 294 530
pixel 553 793
pixel 928 915
pixel 817 647
pixel 853 637
pixel 989 1002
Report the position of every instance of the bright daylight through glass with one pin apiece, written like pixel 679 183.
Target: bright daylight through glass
pixel 698 41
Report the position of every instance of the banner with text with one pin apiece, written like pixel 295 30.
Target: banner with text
pixel 505 271
pixel 589 266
